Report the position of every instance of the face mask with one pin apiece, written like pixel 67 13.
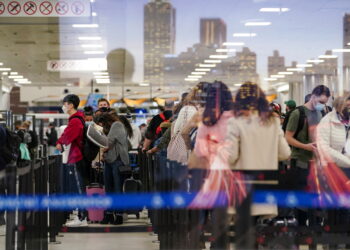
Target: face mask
pixel 65 109
pixel 319 106
pixel 89 123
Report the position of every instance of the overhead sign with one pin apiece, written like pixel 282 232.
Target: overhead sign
pixel 45 8
pixel 77 65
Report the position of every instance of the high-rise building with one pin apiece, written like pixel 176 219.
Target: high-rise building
pixel 243 68
pixel 346 56
pixel 212 32
pixel 159 38
pixel 275 63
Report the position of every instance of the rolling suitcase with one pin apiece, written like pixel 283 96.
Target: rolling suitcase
pixel 96 189
pixel 132 185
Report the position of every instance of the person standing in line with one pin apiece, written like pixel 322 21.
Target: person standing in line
pixel 51 135
pixel 73 135
pixel 290 107
pixel 103 103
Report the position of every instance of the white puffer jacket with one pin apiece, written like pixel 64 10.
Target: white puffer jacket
pixel 331 139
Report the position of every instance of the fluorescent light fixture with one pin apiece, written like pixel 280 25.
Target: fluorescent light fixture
pixel 202 69
pixel 91 46
pixel 294 69
pixel 89 38
pixel 257 23
pixel 102 77
pixel 92 25
pixel 207 65
pixel 1 64
pixel 198 73
pixel 191 79
pixel 144 84
pixel 225 50
pixel 15 77
pixel 103 81
pixel 218 56
pixel 328 56
pixel 340 50
pixel 92 1
pixel 94 14
pixel 5 73
pixel 304 65
pixel 5 69
pixel 274 10
pixel 25 82
pixel 315 61
pixel 285 73
pixel 100 73
pixel 94 52
pixel 238 84
pixel 283 88
pixel 212 61
pixel 233 44
pixel 270 79
pixel 14 73
pixel 20 79
pixel 194 76
pixel 244 34
pixel 278 76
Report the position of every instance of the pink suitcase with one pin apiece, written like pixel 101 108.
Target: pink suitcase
pixel 95 215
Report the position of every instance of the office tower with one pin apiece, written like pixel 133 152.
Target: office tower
pixel 159 39
pixel 275 63
pixel 244 67
pixel 212 32
pixel 346 56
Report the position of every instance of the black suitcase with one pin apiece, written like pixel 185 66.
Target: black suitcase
pixel 132 185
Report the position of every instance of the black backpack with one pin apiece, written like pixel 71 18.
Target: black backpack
pixel 90 150
pixel 302 120
pixel 10 151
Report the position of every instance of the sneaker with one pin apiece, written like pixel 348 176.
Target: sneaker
pixel 76 223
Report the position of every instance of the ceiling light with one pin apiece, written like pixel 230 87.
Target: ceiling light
pixel 257 23
pixel 5 73
pixel 340 50
pixel 274 10
pixel 91 45
pixel 100 73
pixel 278 76
pixel 103 81
pixel 94 14
pixel 194 76
pixel 233 44
pixel 207 65
pixel 25 82
pixel 89 38
pixel 1 64
pixel 93 25
pixel 212 61
pixel 20 79
pixel 144 84
pixel 283 88
pixel 315 61
pixel 270 79
pixel 102 77
pixel 327 56
pixel 202 69
pixel 285 73
pixel 14 73
pixel 198 73
pixel 218 56
pixel 191 79
pixel 5 69
pixel 304 65
pixel 238 84
pixel 225 50
pixel 294 69
pixel 244 35
pixel 15 77
pixel 94 52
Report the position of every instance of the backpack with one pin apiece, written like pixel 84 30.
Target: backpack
pixel 302 120
pixel 159 129
pixel 90 150
pixel 10 151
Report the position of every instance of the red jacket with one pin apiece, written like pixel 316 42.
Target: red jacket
pixel 74 134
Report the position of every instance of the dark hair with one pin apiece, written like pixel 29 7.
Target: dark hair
pixel 219 99
pixel 88 111
pixel 251 97
pixel 103 100
pixel 321 90
pixel 197 95
pixel 127 125
pixel 72 99
pixel 307 98
pixel 106 119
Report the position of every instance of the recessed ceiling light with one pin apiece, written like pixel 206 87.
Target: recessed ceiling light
pixel 218 56
pixel 328 56
pixel 212 61
pixel 15 77
pixel 94 52
pixel 277 76
pixel 191 76
pixel 244 35
pixel 207 65
pixel 315 61
pixel 257 23
pixel 294 69
pixel 93 25
pixel 304 65
pixel 14 73
pixel 225 50
pixel 274 9
pixel 202 69
pixel 198 73
pixel 341 50
pixel 5 69
pixel 285 73
pixel 91 46
pixel 233 44
pixel 100 73
pixel 191 79
pixel 102 77
pixel 89 38
pixel 94 14
pixel 270 79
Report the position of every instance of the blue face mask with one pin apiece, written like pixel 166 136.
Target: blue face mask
pixel 89 123
pixel 319 106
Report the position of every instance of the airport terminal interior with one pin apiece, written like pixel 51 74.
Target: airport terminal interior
pixel 174 124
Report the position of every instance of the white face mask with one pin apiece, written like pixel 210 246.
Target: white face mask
pixel 65 109
pixel 319 106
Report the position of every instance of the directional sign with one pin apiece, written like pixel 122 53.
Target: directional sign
pixel 14 8
pixel 30 8
pixel 45 8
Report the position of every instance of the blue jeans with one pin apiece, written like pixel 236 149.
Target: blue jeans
pixel 112 177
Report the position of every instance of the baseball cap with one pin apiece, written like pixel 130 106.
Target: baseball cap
pixel 291 103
